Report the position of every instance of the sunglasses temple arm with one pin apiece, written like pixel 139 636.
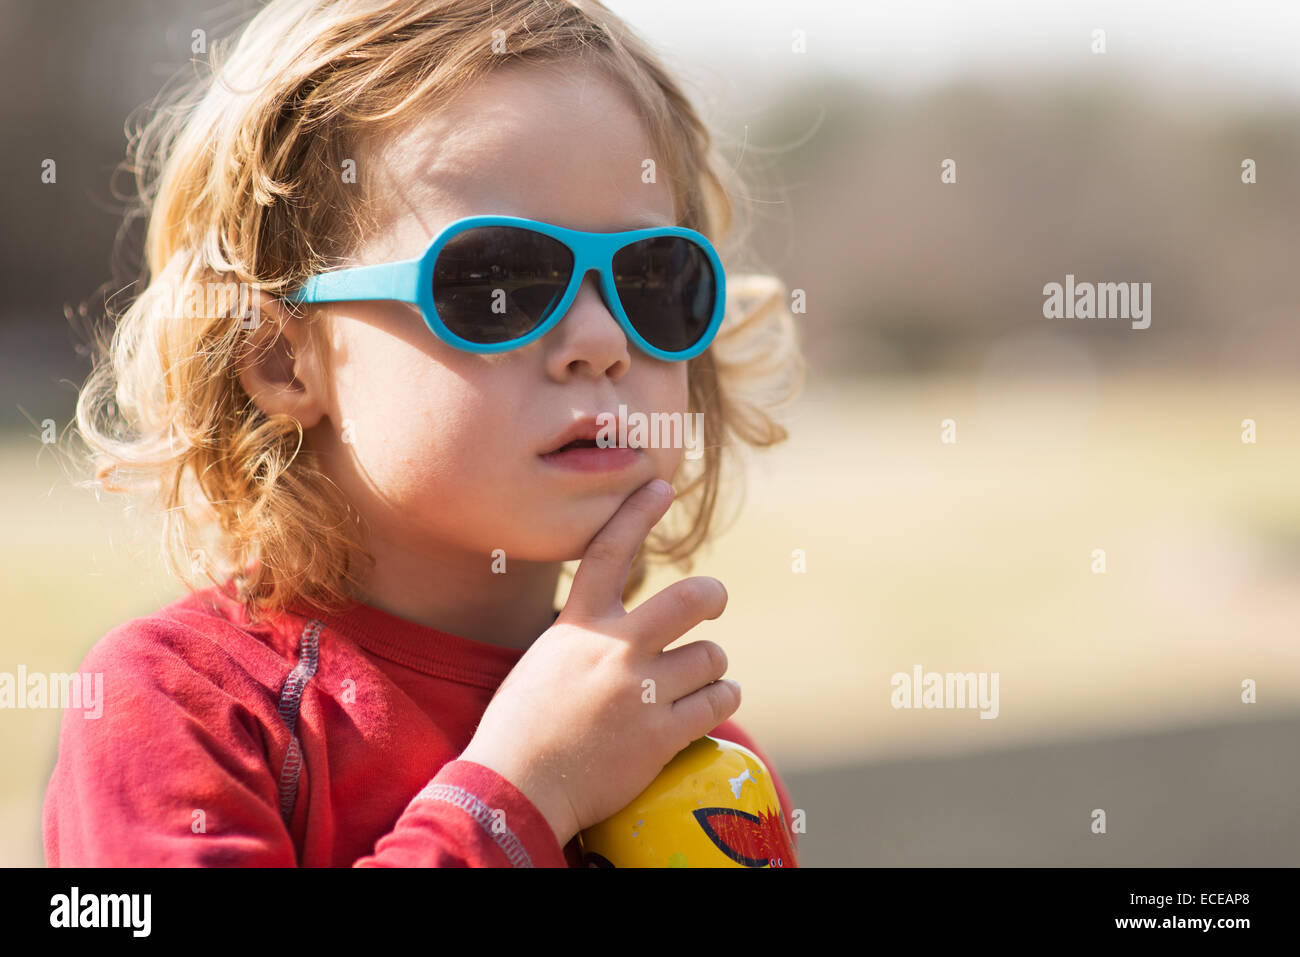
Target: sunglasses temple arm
pixel 399 281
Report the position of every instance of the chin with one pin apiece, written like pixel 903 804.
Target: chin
pixel 570 542
pixel 560 543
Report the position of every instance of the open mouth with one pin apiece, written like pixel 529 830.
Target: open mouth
pixel 576 444
pixel 584 455
pixel 579 435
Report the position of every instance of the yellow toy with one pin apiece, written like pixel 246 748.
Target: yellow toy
pixel 713 805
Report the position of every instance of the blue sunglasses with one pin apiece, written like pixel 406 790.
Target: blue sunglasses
pixel 494 283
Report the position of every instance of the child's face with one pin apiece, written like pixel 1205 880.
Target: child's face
pixel 437 448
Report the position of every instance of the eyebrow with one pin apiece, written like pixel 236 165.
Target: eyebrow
pixel 643 222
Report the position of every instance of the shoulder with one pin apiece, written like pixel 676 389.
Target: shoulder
pixel 193 642
pixel 178 681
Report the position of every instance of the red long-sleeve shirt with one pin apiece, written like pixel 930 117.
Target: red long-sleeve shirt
pixel 305 740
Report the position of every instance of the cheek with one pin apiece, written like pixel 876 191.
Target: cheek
pixel 666 462
pixel 403 417
pixel 669 393
pixel 668 389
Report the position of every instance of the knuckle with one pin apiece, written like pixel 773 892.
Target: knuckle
pixel 645 506
pixel 722 698
pixel 684 598
pixel 662 733
pixel 601 547
pixel 603 551
pixel 714 656
pixel 668 727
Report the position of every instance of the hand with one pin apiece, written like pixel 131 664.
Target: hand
pixel 569 726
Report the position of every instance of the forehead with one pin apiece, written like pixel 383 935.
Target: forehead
pixel 559 143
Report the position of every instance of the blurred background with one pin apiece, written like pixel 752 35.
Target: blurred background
pixel 1120 691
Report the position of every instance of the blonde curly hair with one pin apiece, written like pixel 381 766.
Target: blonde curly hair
pixel 239 178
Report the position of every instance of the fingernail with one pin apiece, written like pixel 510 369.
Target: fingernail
pixel 663 488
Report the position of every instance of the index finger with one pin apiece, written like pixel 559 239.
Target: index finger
pixel 598 583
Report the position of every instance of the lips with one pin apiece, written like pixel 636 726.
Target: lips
pixel 583 432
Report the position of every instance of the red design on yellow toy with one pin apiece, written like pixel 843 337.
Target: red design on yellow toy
pixel 713 805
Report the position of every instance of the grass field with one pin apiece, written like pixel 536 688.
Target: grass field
pixel 973 556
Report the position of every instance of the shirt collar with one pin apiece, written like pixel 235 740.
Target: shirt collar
pixel 416 646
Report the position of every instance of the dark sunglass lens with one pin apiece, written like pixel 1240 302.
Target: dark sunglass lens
pixel 666 286
pixel 496 283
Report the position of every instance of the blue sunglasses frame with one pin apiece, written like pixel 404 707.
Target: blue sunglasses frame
pixel 411 280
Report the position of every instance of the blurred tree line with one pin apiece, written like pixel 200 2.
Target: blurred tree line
pixel 902 272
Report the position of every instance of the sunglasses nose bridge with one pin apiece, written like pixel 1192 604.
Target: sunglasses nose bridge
pixel 587 269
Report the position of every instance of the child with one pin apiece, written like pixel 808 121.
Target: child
pixel 378 676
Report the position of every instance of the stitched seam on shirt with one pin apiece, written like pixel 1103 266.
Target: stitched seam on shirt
pixel 508 841
pixel 290 702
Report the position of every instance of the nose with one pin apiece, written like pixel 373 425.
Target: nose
pixel 588 339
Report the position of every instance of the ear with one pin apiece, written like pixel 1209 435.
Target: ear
pixel 279 365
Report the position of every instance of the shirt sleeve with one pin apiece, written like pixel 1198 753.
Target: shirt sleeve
pixel 173 772
pixel 468 816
